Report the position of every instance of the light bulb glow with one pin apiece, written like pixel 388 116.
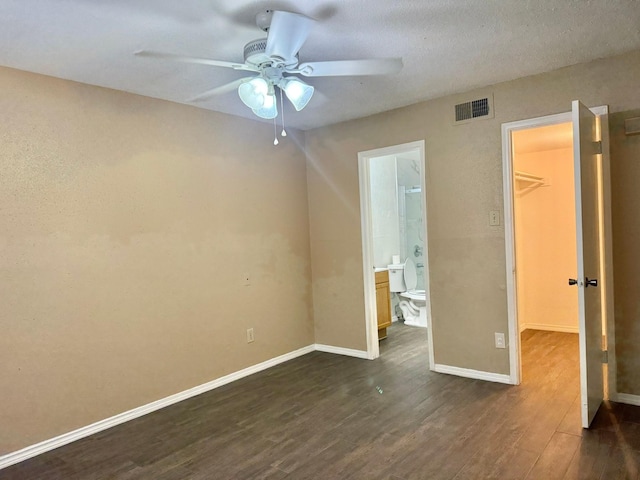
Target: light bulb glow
pixel 294 90
pixel 268 109
pixel 298 92
pixel 254 92
pixel 269 101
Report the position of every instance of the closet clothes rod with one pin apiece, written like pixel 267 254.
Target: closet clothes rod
pixel 528 177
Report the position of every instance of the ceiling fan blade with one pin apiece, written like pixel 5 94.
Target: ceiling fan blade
pixel 287 33
pixel 373 66
pixel 226 88
pixel 201 61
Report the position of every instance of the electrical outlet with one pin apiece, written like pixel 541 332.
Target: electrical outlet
pixel 494 218
pixel 250 337
pixel 500 343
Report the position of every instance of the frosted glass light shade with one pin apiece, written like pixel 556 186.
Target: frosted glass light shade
pixel 254 92
pixel 268 109
pixel 298 92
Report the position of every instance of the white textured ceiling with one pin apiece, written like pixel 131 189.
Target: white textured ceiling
pixel 447 46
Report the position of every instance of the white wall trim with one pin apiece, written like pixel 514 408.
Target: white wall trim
pixel 515 369
pixel 47 445
pixel 368 275
pixel 608 274
pixel 475 374
pixel 349 352
pixel 66 438
pixel 628 398
pixel 549 327
pixel 513 325
pixel 370 308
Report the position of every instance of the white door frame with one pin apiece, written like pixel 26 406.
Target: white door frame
pixel 515 373
pixel 370 309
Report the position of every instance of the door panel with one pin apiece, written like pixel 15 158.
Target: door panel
pixel 588 250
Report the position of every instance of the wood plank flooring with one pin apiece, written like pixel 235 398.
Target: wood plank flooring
pixel 324 416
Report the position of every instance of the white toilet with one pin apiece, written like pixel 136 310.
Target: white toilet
pixel 403 279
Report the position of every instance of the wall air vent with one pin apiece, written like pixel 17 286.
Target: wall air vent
pixel 473 110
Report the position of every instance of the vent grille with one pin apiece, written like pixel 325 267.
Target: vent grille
pixel 473 109
pixel 257 46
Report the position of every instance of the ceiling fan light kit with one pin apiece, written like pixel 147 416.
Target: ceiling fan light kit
pixel 254 92
pixel 298 92
pixel 268 109
pixel 275 56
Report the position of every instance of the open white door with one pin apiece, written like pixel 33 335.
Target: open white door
pixel 585 158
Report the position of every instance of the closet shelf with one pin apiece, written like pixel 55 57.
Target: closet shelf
pixel 529 177
pixel 529 180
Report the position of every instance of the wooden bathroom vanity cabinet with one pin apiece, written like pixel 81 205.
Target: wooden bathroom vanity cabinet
pixel 383 303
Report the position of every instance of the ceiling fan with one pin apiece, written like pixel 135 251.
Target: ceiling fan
pixel 275 63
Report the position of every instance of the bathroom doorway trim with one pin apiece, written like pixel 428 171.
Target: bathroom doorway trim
pixel 370 309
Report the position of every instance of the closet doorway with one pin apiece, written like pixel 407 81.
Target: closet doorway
pixel 545 228
pixel 558 241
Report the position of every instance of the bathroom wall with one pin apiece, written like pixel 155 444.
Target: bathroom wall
pixel 415 234
pixel 384 209
pixel 463 184
pixel 545 230
pixel 396 215
pixel 411 223
pixel 128 229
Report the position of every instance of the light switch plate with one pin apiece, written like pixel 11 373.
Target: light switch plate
pixel 494 218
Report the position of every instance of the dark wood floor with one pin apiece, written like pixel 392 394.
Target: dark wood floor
pixel 324 416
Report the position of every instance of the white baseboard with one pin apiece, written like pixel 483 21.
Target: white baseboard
pixel 475 374
pixel 628 398
pixel 47 445
pixel 549 328
pixel 349 352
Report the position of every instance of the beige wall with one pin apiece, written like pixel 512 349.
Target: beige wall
pixel 625 181
pixel 545 234
pixel 126 226
pixel 464 182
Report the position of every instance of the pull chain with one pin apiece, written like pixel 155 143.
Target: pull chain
pixel 284 133
pixel 275 132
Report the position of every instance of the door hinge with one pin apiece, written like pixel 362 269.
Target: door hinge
pixel 597 147
pixel 605 356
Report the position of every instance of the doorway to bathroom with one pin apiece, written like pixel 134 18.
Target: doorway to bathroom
pixel 394 241
pixel 558 243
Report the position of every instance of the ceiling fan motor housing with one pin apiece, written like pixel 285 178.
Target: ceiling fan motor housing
pixel 254 54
